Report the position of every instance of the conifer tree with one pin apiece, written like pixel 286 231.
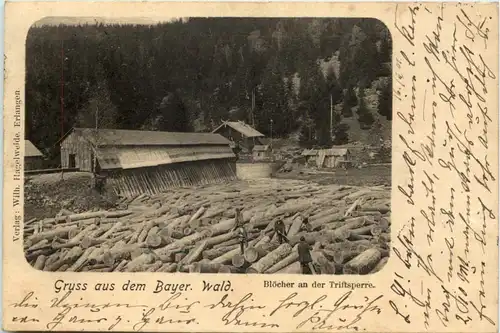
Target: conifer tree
pixel 365 117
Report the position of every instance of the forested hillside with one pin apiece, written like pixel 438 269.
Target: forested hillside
pixel 189 75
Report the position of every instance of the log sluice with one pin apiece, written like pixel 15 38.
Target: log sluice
pixel 152 180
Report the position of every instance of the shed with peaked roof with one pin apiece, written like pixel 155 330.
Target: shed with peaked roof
pixel 261 152
pixel 310 156
pixel 239 131
pixel 147 161
pixel 33 157
pixel 333 157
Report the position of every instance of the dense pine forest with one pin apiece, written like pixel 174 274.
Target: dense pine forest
pixel 189 75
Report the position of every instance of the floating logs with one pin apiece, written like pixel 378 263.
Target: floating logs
pixel 193 230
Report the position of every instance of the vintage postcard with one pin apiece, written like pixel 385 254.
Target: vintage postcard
pixel 196 167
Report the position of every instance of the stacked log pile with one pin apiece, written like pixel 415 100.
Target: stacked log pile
pixel 191 230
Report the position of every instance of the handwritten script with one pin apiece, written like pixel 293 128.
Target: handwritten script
pixel 446 252
pixel 307 313
pixel 443 266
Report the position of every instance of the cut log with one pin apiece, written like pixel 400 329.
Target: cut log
pixel 353 223
pixel 376 230
pixel 293 268
pixel 353 207
pixel 40 262
pixel 324 264
pixel 111 231
pixel 230 242
pixel 178 257
pixel 384 223
pixel 78 264
pixel 311 238
pixel 138 264
pixel 185 241
pixel 43 244
pixel 187 231
pixel 381 209
pixel 288 260
pixel 386 237
pixel 120 266
pixel 179 221
pixel 366 230
pixel 85 216
pixel 271 258
pixel 49 235
pixel 325 220
pixel 239 261
pixel 226 269
pixel 228 256
pixel 221 238
pixel 222 227
pixel 195 224
pixel 155 241
pixel 381 264
pixel 197 215
pixel 295 227
pixel 210 213
pixel 217 252
pixel 195 253
pixel 363 263
pixel 154 266
pixel 332 236
pixel 168 268
pixel 205 267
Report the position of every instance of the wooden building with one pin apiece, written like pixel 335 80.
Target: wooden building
pixel 333 158
pixel 33 157
pixel 328 158
pixel 136 162
pixel 239 131
pixel 310 156
pixel 261 152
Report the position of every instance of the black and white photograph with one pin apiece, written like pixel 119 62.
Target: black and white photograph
pixel 238 145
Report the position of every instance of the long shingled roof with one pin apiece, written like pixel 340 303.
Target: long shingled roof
pixel 114 137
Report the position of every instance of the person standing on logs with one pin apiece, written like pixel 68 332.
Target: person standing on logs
pixel 243 238
pixel 305 226
pixel 305 258
pixel 238 219
pixel 279 228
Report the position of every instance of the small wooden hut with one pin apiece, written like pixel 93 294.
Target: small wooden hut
pixel 239 131
pixel 333 158
pixel 261 152
pixel 310 156
pixel 33 157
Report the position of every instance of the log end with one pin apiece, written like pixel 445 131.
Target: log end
pixel 224 269
pixel 251 255
pixel 251 270
pixel 153 240
pixel 238 260
pixel 86 242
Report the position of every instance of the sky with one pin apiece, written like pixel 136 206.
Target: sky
pixel 67 20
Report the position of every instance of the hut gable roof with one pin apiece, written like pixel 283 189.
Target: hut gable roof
pixel 243 128
pixel 261 148
pixel 113 137
pixel 310 152
pixel 30 150
pixel 336 152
